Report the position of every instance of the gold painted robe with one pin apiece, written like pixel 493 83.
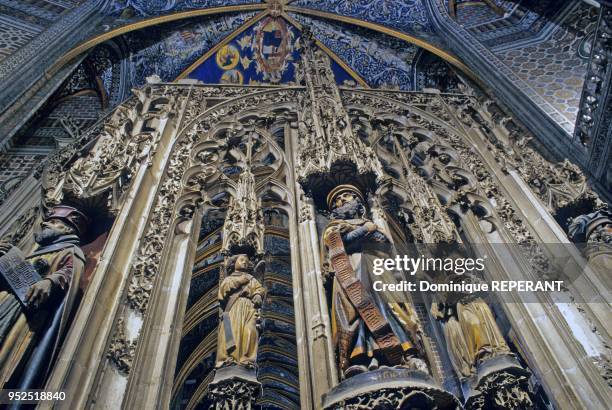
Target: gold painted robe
pixel 20 333
pixel 473 336
pixel 235 297
pixel 353 341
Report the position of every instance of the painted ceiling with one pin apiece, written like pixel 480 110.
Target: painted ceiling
pixel 370 42
pixel 264 47
pixel 267 52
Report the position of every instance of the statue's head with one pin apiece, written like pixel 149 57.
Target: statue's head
pixel 346 202
pixel 61 220
pixel 239 263
pixel 582 227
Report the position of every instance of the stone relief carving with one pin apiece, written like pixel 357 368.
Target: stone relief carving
pixel 429 216
pixel 145 267
pixel 306 213
pixel 121 350
pixel 467 176
pixel 69 174
pixel 559 185
pixel 450 174
pixel 236 392
pixel 502 390
pixel 120 148
pixel 21 227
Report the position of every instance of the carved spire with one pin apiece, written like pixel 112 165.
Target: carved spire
pixel 326 136
pixel 244 227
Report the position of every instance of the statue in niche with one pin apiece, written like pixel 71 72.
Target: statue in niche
pixel 240 299
pixel 471 333
pixel 369 329
pixel 593 232
pixel 34 321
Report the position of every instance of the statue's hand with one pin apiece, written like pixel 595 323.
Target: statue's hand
pixel 257 301
pixel 4 247
pixel 39 293
pixel 370 226
pixel 258 320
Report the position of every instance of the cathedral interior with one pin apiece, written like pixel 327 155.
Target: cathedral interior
pixel 191 192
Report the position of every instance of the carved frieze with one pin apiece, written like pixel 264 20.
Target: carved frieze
pixel 146 265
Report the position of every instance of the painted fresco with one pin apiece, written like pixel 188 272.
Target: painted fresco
pixel 405 15
pixel 149 8
pixel 169 50
pixel 381 60
pixel 266 53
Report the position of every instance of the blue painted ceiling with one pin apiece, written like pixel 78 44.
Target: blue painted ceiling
pixel 266 50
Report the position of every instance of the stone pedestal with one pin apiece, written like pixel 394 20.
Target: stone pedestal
pixel 390 388
pixel 500 383
pixel 233 388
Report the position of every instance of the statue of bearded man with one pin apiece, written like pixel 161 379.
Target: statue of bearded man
pixel 368 328
pixel 30 334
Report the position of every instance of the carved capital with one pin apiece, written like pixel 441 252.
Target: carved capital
pixel 233 388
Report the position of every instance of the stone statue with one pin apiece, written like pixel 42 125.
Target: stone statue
pixel 30 334
pixel 471 333
pixel 593 228
pixel 593 233
pixel 240 299
pixel 368 328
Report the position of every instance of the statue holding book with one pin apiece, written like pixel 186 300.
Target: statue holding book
pixel 37 295
pixel 368 328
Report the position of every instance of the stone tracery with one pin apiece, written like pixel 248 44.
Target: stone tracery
pixel 213 155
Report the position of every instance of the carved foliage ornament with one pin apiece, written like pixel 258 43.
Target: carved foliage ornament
pixel 234 394
pixel 502 390
pixel 120 148
pixel 558 185
pixel 121 350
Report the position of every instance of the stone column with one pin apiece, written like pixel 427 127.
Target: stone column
pixel 155 362
pixel 323 373
pixel 98 352
pixel 569 378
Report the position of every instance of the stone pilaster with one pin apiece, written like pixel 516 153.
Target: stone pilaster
pixel 593 127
